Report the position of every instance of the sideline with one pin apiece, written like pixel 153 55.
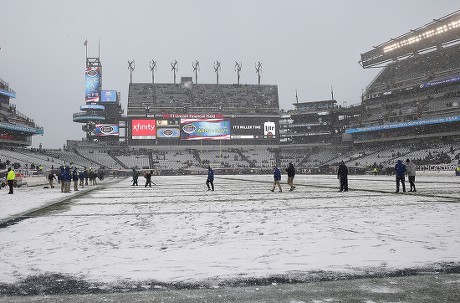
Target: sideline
pixel 12 219
pixel 430 288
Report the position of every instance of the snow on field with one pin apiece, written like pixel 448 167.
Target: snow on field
pixel 179 232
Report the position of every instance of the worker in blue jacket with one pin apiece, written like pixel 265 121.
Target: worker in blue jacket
pixel 210 179
pixel 400 170
pixel 276 179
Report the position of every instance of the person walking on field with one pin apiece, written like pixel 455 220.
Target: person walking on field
pixel 51 178
pixel 135 177
pixel 75 179
pixel 11 175
pixel 276 179
pixel 411 171
pixel 400 170
pixel 342 175
pixel 148 179
pixel 291 174
pixel 210 179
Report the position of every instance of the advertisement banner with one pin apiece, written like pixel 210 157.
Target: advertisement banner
pixel 269 130
pixel 403 124
pixel 143 129
pixel 104 130
pixel 108 96
pixel 170 132
pixel 193 116
pixel 92 84
pixel 205 129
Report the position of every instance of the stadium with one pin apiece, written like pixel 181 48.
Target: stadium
pixel 410 110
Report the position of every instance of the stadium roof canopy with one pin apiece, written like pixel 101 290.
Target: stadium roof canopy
pixel 440 32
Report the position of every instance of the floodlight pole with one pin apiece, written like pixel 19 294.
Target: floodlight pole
pixel 153 68
pixel 174 68
pixel 131 67
pixel 217 68
pixel 258 71
pixel 196 69
pixel 238 67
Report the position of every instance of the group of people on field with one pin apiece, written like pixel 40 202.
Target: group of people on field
pixel 67 175
pixel 147 176
pixel 401 170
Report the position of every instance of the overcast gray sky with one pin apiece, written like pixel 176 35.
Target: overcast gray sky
pixel 304 45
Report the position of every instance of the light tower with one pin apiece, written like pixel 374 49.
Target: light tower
pixel 238 67
pixel 131 67
pixel 174 69
pixel 153 68
pixel 258 71
pixel 217 69
pixel 196 69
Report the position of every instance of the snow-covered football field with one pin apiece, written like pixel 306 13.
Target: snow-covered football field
pixel 178 232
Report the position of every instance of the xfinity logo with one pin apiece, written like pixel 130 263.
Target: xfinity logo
pixel 138 127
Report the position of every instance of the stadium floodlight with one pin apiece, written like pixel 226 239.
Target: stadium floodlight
pixel 217 68
pixel 131 67
pixel 258 71
pixel 238 67
pixel 174 69
pixel 153 67
pixel 196 69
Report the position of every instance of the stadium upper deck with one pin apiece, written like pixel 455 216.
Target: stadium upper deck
pixel 15 128
pixel 227 99
pixel 438 33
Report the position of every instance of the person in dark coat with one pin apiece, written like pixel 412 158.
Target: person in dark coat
pixel 67 179
pixel 75 179
pixel 276 179
pixel 81 177
pixel 61 178
pixel 400 170
pixel 342 175
pixel 135 177
pixel 148 179
pixel 51 178
pixel 291 174
pixel 210 179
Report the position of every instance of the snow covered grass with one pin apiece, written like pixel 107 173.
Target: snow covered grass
pixel 177 232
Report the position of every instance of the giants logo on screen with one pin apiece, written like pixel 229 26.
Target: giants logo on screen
pixel 106 130
pixel 269 129
pixel 143 129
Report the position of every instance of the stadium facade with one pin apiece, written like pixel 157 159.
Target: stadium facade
pixel 191 114
pixel 16 129
pixel 101 115
pixel 417 93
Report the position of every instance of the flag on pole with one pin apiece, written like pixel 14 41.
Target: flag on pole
pixel 296 97
pixel 86 42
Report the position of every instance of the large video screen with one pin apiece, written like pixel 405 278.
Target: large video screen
pixel 143 129
pixel 108 96
pixel 253 128
pixel 205 129
pixel 168 129
pixel 104 130
pixel 92 84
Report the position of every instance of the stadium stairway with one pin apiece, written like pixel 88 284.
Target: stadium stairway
pixel 244 158
pixel 109 152
pixel 90 160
